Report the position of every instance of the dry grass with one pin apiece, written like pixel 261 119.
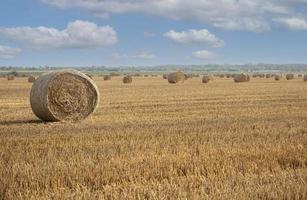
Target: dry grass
pixel 154 140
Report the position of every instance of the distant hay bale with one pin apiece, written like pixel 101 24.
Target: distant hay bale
pixel 127 79
pixel 305 77
pixel 300 75
pixel 207 78
pixel 107 77
pixel 239 78
pixel 31 79
pixel 10 77
pixel 277 77
pixel 188 76
pixel 228 75
pixel 268 76
pixel 137 75
pixel 146 75
pixel 261 75
pixel 165 76
pixel 290 76
pixel 64 95
pixel 176 77
pixel 222 75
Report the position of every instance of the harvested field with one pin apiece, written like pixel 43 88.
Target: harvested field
pixel 155 140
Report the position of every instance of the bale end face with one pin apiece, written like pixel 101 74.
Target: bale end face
pixel 64 95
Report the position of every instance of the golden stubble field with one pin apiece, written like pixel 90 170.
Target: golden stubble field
pixel 153 140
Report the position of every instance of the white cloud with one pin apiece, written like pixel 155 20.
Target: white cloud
pixel 293 23
pixel 78 34
pixel 204 55
pixel 8 52
pixel 202 37
pixel 251 15
pixel 254 25
pixel 140 55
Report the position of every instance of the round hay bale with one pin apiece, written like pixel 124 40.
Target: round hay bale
pixel 165 76
pixel 137 75
pixel 107 77
pixel 207 79
pixel 268 76
pixel 290 76
pixel 300 76
pixel 31 79
pixel 10 77
pixel 127 79
pixel 239 78
pixel 64 95
pixel 277 77
pixel 261 75
pixel 305 77
pixel 176 77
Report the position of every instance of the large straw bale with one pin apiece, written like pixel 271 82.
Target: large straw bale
pixel 64 95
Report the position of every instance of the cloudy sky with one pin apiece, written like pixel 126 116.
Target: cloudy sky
pixel 152 32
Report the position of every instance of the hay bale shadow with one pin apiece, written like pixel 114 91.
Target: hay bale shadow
pixel 19 122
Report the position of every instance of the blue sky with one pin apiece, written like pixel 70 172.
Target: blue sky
pixel 143 32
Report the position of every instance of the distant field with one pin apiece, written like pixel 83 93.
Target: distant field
pixel 154 140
